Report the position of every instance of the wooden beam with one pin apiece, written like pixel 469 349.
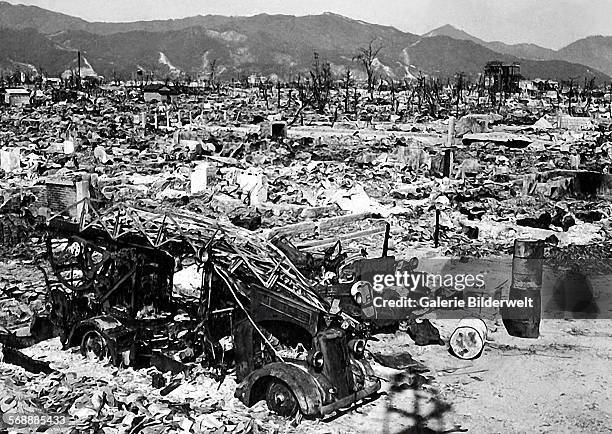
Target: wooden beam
pixel 331 241
pixel 318 226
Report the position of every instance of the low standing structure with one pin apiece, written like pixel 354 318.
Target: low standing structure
pixel 503 77
pixel 158 93
pixel 16 97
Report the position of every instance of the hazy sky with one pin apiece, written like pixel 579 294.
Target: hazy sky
pixel 551 23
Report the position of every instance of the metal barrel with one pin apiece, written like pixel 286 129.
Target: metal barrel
pixel 523 319
pixel 447 162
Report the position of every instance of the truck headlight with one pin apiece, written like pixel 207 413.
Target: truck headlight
pixel 316 360
pixel 357 346
pixel 359 298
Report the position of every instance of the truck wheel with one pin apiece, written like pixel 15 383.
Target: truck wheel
pixel 94 346
pixel 280 399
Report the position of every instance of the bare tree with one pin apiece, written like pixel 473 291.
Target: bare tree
pixel 392 88
pixel 610 98
pixel 301 91
pixel 213 70
pixel 347 82
pixel 459 88
pixel 321 83
pixel 432 96
pixel 570 96
pixel 590 86
pixel 366 56
pixel 263 87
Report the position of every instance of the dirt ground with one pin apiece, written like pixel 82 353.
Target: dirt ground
pixel 558 383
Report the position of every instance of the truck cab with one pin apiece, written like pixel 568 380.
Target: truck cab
pixel 330 373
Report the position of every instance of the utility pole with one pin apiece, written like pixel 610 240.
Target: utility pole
pixel 78 69
pixel 437 230
pixel 459 92
pixel 571 92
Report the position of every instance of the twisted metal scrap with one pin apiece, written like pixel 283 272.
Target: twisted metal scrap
pixel 245 255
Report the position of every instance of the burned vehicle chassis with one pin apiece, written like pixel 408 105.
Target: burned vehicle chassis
pixel 113 296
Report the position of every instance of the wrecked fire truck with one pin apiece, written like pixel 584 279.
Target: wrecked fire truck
pixel 351 287
pixel 112 294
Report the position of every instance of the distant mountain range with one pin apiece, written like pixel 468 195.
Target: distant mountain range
pixel 593 51
pixel 524 51
pixel 34 39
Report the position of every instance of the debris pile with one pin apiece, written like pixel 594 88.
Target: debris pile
pixel 216 243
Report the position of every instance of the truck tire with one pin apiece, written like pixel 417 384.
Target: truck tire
pixel 94 345
pixel 280 399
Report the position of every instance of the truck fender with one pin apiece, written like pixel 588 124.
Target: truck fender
pixel 109 327
pixel 303 385
pixel 105 324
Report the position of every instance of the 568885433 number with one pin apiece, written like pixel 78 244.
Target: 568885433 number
pixel 34 419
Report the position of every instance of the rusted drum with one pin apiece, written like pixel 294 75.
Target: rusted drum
pixel 527 263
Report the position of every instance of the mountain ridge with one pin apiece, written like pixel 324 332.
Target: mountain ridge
pixel 527 51
pixel 238 46
pixel 594 51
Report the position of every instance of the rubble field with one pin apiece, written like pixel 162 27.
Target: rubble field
pixel 107 195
